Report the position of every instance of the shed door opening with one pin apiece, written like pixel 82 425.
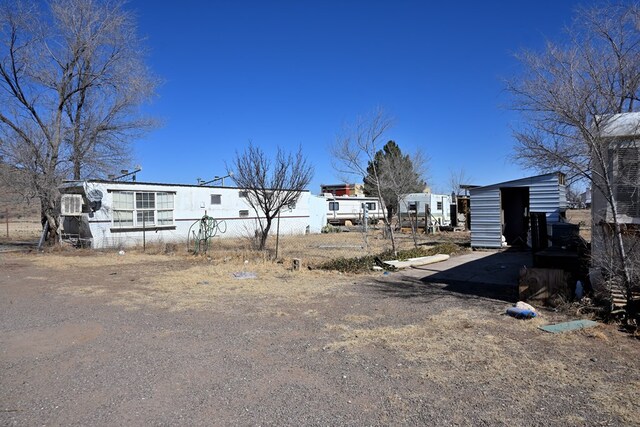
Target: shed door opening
pixel 515 215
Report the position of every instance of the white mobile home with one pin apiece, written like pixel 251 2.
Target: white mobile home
pixel 108 214
pixel 352 208
pixel 432 209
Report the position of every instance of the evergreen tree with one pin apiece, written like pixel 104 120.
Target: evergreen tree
pixel 396 175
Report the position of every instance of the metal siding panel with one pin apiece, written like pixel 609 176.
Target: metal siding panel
pixel 486 225
pixel 546 194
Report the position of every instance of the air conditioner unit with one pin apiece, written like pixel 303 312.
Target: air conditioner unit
pixel 71 205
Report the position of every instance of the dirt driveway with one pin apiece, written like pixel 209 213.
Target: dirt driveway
pixel 103 339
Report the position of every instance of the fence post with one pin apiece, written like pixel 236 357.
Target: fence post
pixel 7 220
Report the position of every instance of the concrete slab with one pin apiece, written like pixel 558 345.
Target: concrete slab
pixel 485 267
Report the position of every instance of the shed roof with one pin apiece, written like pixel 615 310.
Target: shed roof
pixel 522 182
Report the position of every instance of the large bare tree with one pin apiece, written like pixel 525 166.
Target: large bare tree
pixel 71 80
pixel 271 184
pixel 571 95
pixel 354 154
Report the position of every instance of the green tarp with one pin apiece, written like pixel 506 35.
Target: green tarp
pixel 569 326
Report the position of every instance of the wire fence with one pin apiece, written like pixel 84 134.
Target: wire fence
pixel 283 244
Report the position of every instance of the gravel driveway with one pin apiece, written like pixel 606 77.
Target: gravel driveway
pixel 107 345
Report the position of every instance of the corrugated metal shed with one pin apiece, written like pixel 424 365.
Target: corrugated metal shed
pixel 546 193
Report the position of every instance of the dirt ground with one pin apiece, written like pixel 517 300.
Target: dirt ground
pixel 90 338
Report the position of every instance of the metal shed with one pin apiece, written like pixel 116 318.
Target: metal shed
pixel 505 209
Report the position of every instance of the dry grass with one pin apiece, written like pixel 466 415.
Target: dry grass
pixel 581 217
pixel 20 229
pixel 186 282
pixel 458 348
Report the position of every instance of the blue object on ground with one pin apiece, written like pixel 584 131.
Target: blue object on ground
pixel 521 313
pixel 569 326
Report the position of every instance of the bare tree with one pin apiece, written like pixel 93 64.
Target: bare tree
pixel 458 178
pixel 571 96
pixel 271 184
pixel 355 149
pixel 400 175
pixel 71 79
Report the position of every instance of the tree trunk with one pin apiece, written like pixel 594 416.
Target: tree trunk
pixel 265 233
pixel 49 213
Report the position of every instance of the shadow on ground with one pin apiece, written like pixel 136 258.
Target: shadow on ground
pixel 18 246
pixel 492 275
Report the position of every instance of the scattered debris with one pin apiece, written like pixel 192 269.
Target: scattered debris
pixel 521 313
pixel 244 275
pixel 523 305
pixel 121 252
pixel 296 264
pixel 568 326
pixel 204 282
pixel 522 310
pixel 377 268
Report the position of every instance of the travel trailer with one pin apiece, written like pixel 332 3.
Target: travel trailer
pixel 353 209
pixel 425 210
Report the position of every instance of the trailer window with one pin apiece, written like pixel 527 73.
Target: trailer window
pixel 439 206
pixel 142 208
pixel 334 206
pixel 216 199
pixel 371 206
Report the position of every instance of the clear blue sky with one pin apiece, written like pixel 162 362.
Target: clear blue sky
pixel 292 73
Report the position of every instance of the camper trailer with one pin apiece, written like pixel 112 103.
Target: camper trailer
pixel 341 209
pixel 425 210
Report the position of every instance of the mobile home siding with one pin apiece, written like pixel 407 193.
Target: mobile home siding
pixel 190 204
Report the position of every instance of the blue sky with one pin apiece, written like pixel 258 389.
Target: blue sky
pixel 291 73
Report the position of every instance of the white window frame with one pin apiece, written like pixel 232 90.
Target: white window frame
pixel 143 209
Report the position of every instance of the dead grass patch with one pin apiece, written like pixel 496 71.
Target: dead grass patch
pixel 207 285
pixel 87 259
pixel 460 348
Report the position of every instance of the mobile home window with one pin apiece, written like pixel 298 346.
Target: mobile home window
pixel 334 206
pixel 243 193
pixel 142 208
pixel 371 206
pixel 626 167
pixel 243 212
pixel 216 199
pixel 439 206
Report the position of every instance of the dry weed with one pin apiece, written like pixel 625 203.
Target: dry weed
pixel 457 348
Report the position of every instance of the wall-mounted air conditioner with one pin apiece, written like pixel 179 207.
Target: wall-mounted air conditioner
pixel 71 205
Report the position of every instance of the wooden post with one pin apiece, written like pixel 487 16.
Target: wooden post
pixel 144 240
pixel 7 220
pixel 278 234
